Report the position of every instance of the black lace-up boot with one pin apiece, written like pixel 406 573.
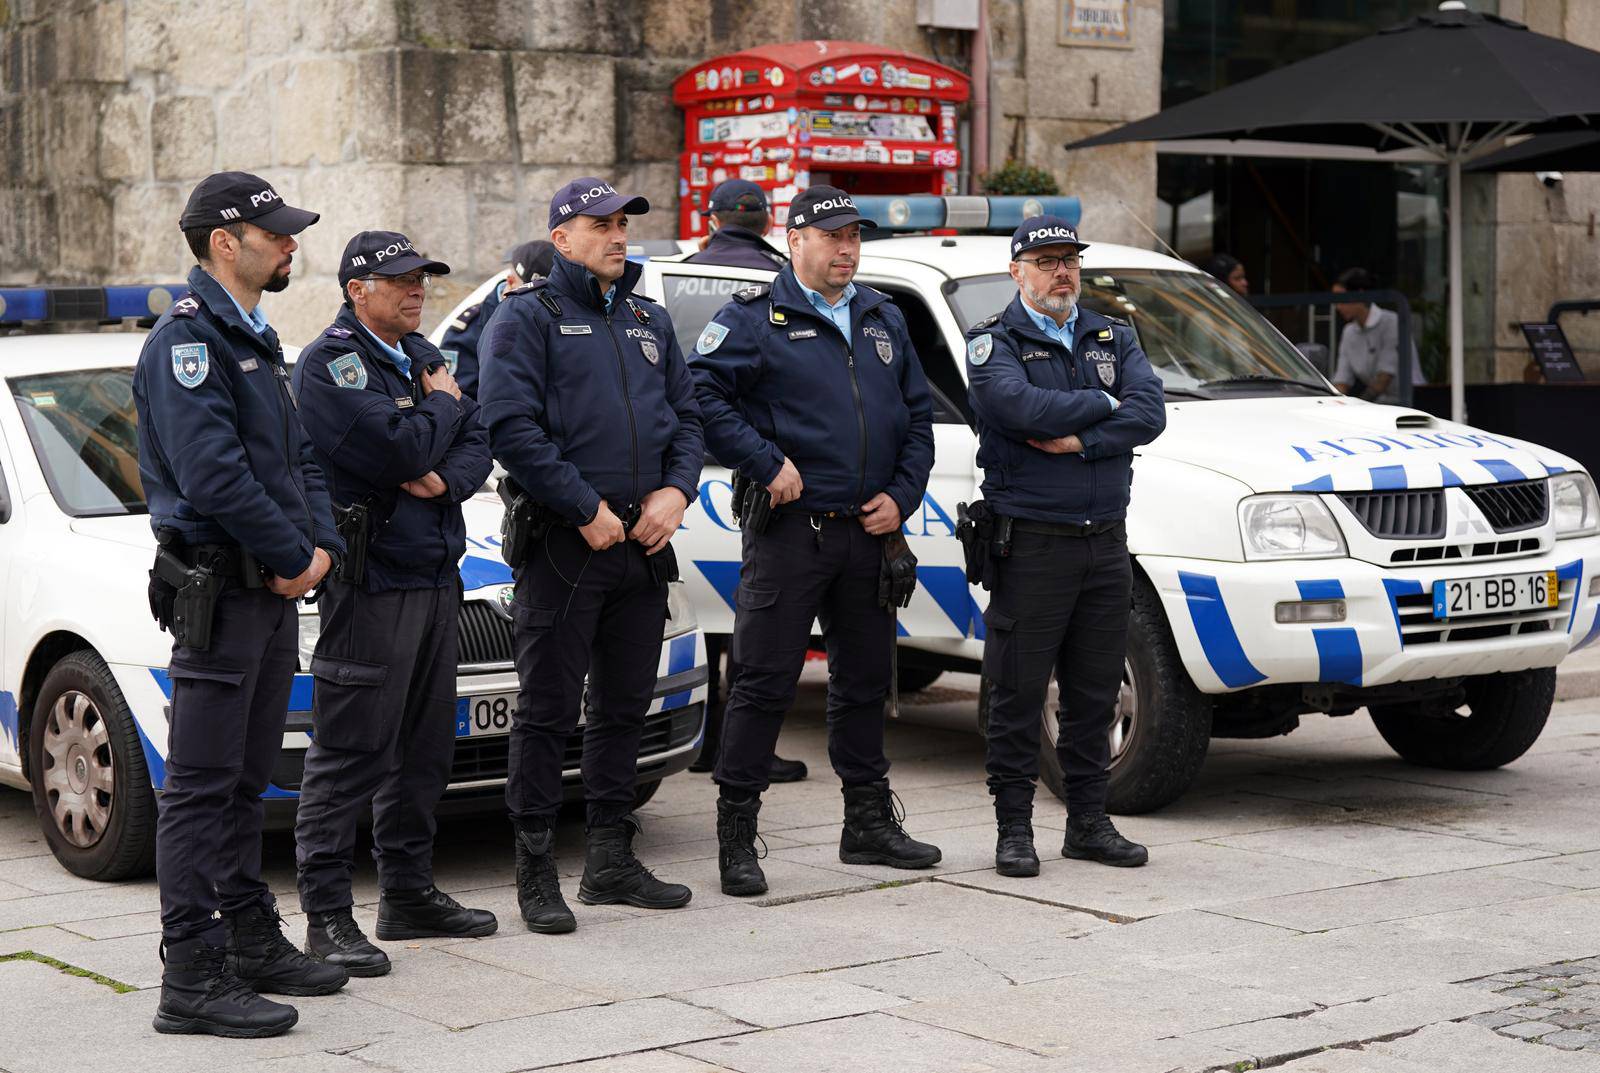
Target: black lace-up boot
pixel 736 847
pixel 201 996
pixel 873 831
pixel 1091 837
pixel 538 885
pixel 336 938
pixel 261 956
pixel 430 913
pixel 613 875
pixel 1014 854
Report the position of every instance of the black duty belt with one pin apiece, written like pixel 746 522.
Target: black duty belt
pixel 226 560
pixel 1070 529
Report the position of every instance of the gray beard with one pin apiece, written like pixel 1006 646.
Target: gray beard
pixel 1050 303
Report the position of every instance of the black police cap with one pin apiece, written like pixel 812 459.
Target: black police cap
pixel 384 253
pixel 738 195
pixel 230 197
pixel 826 207
pixel 531 259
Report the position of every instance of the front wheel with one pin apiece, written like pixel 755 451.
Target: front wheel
pixel 1502 717
pixel 91 788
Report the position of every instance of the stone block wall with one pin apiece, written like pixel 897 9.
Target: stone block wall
pixel 452 121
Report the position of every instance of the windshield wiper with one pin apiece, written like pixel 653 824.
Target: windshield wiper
pixel 1264 378
pixel 1184 392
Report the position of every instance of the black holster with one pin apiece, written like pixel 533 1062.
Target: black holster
pixel 897 578
pixel 355 525
pixel 984 536
pixel 523 524
pixel 752 504
pixel 183 598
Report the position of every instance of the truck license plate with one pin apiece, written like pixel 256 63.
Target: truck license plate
pixel 1501 595
pixel 485 715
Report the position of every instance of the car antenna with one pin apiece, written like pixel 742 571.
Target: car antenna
pixel 1151 231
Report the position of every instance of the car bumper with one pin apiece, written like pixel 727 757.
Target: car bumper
pixel 1223 617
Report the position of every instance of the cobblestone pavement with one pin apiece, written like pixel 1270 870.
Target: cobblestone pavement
pixel 1313 905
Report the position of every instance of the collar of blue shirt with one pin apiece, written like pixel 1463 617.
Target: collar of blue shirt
pixel 1062 333
pixel 398 356
pixel 255 318
pixel 824 307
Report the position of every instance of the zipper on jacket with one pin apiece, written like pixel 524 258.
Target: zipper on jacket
pixel 627 395
pixel 861 423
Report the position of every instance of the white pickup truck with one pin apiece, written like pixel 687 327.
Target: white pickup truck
pixel 1296 551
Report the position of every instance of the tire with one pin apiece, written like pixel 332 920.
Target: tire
pixel 644 791
pixel 1163 725
pixel 91 787
pixel 1502 717
pixel 914 679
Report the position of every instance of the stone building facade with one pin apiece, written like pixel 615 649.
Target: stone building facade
pixel 454 121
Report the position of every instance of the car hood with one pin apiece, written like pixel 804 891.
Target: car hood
pixel 130 530
pixel 1329 444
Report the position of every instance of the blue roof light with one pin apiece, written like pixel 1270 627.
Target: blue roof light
pixel 63 305
pixel 926 212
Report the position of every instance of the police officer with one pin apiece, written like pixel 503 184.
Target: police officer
pixel 527 261
pixel 1062 395
pixel 403 449
pixel 242 516
pixel 739 218
pixel 591 411
pixel 811 388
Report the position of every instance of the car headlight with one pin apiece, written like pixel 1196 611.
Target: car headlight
pixel 1572 505
pixel 1289 527
pixel 310 630
pixel 680 612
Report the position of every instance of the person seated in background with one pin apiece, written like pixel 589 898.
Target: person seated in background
pixel 1230 270
pixel 1369 347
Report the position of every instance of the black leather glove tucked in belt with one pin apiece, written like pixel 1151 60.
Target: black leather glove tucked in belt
pixel 897 580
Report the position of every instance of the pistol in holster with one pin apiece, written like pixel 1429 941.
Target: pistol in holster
pixel 523 524
pixel 183 597
pixel 984 536
pixel 897 578
pixel 355 524
pixel 752 504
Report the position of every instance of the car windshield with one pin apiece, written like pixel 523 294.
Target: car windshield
pixel 84 430
pixel 1200 337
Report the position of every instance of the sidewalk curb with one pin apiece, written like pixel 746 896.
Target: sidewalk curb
pixel 1579 675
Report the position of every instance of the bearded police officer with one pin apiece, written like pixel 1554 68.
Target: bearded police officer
pixel 740 220
pixel 527 261
pixel 1062 395
pixel 241 514
pixel 811 390
pixel 403 449
pixel 591 410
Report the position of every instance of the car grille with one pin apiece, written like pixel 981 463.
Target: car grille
pixel 1513 506
pixel 1484 549
pixel 485 759
pixel 1419 627
pixel 1400 514
pixel 485 635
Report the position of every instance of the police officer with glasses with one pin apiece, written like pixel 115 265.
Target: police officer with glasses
pixel 244 527
pixel 591 410
pixel 459 345
pixel 813 395
pixel 402 447
pixel 1062 395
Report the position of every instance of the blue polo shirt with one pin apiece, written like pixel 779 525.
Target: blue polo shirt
pixel 255 318
pixel 838 312
pixel 398 356
pixel 1061 333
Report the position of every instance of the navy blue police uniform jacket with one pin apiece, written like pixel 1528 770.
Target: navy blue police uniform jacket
pixel 372 429
pixel 462 339
pixel 778 379
pixel 1024 385
pixel 738 247
pixel 583 403
pixel 222 455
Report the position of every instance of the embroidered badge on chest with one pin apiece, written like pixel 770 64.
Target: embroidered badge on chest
pixel 190 364
pixel 885 351
pixel 651 352
pixel 348 372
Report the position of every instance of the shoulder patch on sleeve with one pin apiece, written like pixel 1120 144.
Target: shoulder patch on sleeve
pixel 347 371
pixel 751 293
pixel 190 364
pixel 336 332
pixel 979 348
pixel 187 306
pixel 711 338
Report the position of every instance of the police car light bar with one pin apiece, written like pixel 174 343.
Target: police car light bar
pixel 994 214
pixel 39 305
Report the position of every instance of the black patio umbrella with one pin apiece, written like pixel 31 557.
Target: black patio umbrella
pixel 1451 86
pixel 1565 151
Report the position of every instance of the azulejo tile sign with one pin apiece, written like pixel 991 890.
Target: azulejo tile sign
pixel 1097 23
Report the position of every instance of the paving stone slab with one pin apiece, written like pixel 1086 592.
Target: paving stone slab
pixel 927 977
pixel 1391 899
pixel 1558 927
pixel 1390 850
pixel 105 900
pixel 1577 870
pixel 116 927
pixel 1458 1048
pixel 791 1000
pixel 1351 1061
pixel 1149 1056
pixel 554 1038
pixel 457 992
pixel 644 1062
pixel 1194 817
pixel 874 1041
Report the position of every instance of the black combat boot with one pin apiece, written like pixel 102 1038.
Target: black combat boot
pixel 200 995
pixel 786 770
pixel 260 955
pixel 613 875
pixel 1014 854
pixel 736 847
pixel 538 885
pixel 430 913
pixel 1091 837
pixel 873 831
pixel 336 938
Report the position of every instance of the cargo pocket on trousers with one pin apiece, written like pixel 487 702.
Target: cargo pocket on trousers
pixel 758 639
pixel 348 713
pixel 209 712
pixel 1000 647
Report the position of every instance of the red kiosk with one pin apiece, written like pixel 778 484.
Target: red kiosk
pixel 869 119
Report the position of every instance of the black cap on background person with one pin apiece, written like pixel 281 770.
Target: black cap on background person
pixel 530 260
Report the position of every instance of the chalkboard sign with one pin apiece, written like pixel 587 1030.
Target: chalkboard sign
pixel 1553 353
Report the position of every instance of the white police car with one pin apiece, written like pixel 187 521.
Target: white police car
pixel 83 683
pixel 1297 551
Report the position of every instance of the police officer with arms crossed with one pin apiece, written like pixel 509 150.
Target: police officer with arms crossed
pixel 242 516
pixel 740 218
pixel 811 389
pixel 1062 395
pixel 525 262
pixel 403 449
pixel 591 410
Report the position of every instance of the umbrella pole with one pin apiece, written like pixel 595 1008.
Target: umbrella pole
pixel 1458 362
